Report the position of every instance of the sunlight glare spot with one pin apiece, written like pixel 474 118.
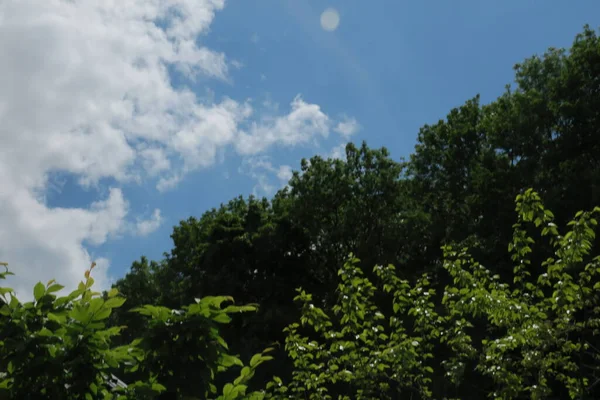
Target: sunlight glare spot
pixel 330 19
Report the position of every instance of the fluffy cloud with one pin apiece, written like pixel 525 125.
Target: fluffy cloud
pixel 146 227
pixel 302 125
pixel 42 243
pixel 167 183
pixel 338 152
pixel 284 173
pixel 347 127
pixel 261 169
pixel 85 89
pixel 207 130
pixel 81 83
pixel 154 160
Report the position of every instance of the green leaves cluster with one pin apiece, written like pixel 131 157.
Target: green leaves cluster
pixel 60 347
pixel 534 337
pixel 192 334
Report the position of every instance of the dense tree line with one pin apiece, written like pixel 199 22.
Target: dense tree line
pixel 455 191
pixel 478 337
pixel 457 187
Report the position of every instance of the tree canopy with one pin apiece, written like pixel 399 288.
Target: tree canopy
pixel 485 321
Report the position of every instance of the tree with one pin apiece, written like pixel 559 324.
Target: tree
pixel 549 126
pixel 456 189
pixel 142 289
pixel 540 331
pixel 258 251
pixel 543 134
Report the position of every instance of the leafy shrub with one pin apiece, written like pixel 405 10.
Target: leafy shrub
pixel 479 337
pixel 60 348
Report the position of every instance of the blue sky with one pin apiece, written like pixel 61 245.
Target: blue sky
pixel 391 66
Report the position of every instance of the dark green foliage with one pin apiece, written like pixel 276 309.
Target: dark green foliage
pixel 533 336
pixel 537 343
pixel 456 188
pixel 259 251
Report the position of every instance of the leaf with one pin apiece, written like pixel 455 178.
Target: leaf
pixel 227 389
pixel 54 288
pixel 38 291
pixel 95 305
pixel 157 387
pixel 221 318
pixel 245 308
pixel 255 360
pixel 214 301
pixel 102 314
pixel 229 361
pixel 80 314
pixel 94 326
pixel 246 371
pixel 45 332
pixel 114 302
pixel 238 390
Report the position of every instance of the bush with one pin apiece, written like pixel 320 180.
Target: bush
pixel 60 348
pixel 535 337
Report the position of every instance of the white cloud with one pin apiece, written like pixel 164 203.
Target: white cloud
pixel 302 125
pixel 261 169
pixel 347 127
pixel 146 227
pixel 168 183
pixel 338 152
pixel 42 243
pixel 237 64
pixel 154 160
pixel 264 186
pixel 80 82
pixel 207 130
pixel 284 173
pixel 85 91
pixel 269 105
